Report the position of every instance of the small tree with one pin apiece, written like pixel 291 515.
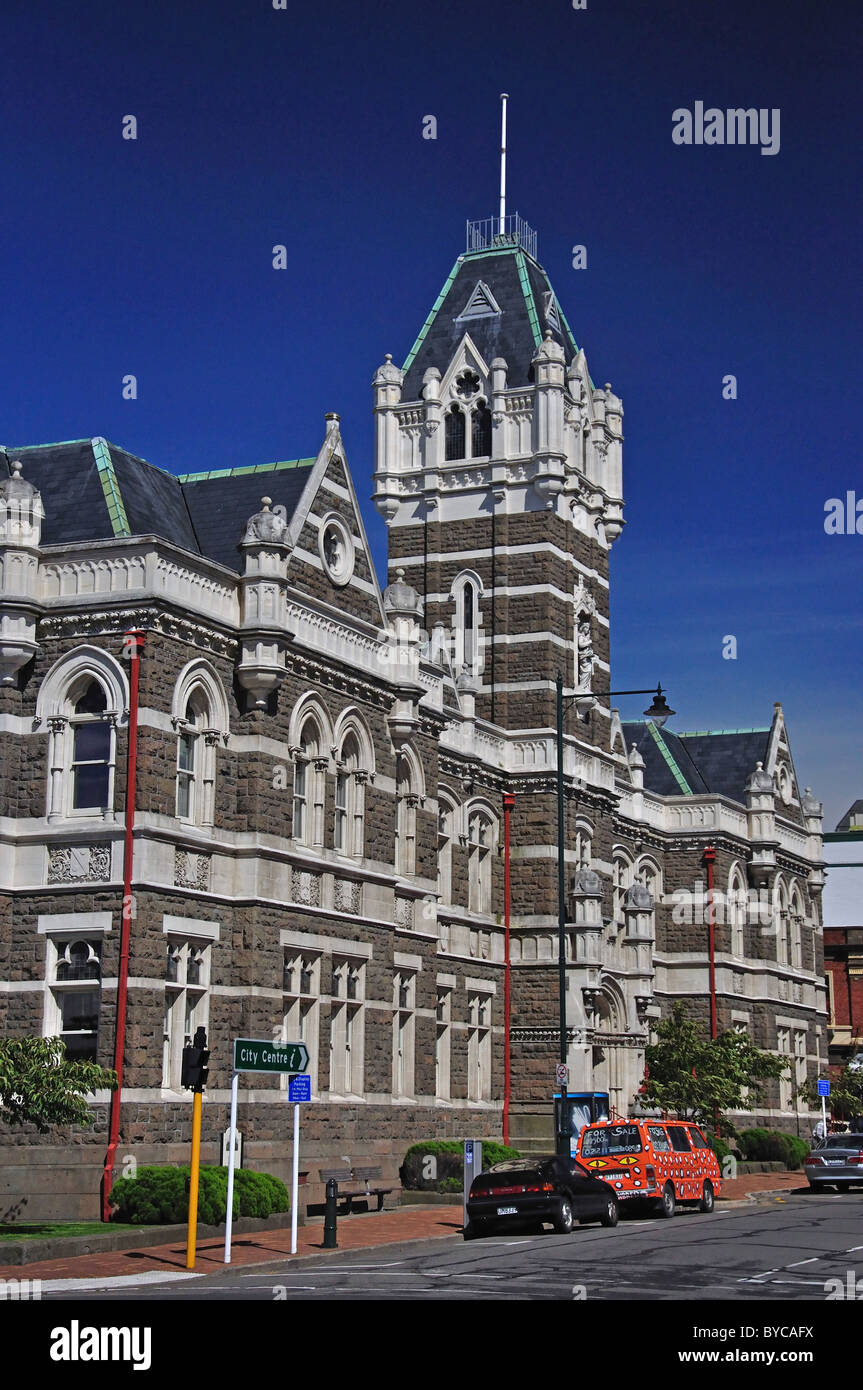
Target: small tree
pixel 39 1086
pixel 846 1093
pixel 699 1077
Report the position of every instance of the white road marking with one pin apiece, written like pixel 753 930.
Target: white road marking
pixel 811 1261
pixel 118 1281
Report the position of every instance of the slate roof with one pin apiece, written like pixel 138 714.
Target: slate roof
pixel 853 816
pixel 682 764
pixel 93 490
pixel 520 286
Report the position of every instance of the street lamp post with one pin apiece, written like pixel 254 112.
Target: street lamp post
pixel 584 702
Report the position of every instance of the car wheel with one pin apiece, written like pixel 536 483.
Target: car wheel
pixel 707 1199
pixel 470 1231
pixel 611 1214
pixel 667 1204
pixel 563 1222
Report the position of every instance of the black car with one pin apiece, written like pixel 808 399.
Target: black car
pixel 534 1191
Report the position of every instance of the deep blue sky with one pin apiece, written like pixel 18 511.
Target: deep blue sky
pixel 260 126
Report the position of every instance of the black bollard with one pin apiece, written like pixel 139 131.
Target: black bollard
pixel 330 1242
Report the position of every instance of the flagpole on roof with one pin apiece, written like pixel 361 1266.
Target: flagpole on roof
pixel 504 97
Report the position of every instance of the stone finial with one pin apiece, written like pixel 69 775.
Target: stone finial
pixel 388 373
pixel 810 805
pixel 401 599
pixel 759 781
pixel 549 349
pixel 267 525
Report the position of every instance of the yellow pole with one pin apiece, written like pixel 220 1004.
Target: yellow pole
pixel 193 1181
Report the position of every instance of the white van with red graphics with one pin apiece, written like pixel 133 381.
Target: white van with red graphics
pixel 666 1162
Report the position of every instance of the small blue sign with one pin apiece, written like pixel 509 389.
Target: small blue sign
pixel 823 1088
pixel 299 1088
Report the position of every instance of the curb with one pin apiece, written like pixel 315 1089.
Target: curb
pixel 27 1252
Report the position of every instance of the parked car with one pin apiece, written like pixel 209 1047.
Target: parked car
pixel 667 1162
pixel 535 1191
pixel 837 1162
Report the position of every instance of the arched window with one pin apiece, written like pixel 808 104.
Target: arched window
pixel 781 922
pixel 454 439
pixel 200 716
pixel 481 837
pixel 445 834
pixel 466 591
pixel 308 804
pixel 81 701
pixel 480 434
pixel 195 776
pixel 408 796
pixel 92 744
pixel 348 821
pixel 737 904
pixel 622 881
pixel 650 877
pixel 796 919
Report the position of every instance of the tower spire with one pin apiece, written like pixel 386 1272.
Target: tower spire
pixel 504 98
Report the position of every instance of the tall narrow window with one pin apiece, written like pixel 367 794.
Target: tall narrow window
pixel 349 790
pixel 187 979
pixel 76 995
pixel 190 792
pixel 308 803
pixel 91 750
pixel 622 877
pixel 446 818
pixel 454 441
pixel 340 833
pixel 443 1033
pixel 407 799
pixel 481 432
pixel 347 1027
pixel 404 999
pixel 737 902
pixel 479 1047
pixel 480 834
pixel 301 986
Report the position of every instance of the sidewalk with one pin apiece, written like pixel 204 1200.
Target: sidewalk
pixel 358 1232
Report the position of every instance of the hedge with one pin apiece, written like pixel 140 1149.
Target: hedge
pixel 772 1146
pixel 449 1164
pixel 160 1196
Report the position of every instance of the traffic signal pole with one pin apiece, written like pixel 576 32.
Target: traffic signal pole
pixel 192 1236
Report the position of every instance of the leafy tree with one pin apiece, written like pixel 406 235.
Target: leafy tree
pixel 40 1086
pixel 697 1076
pixel 846 1093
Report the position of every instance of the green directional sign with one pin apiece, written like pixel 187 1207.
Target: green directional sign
pixel 254 1055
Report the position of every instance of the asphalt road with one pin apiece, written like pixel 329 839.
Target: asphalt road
pixel 785 1249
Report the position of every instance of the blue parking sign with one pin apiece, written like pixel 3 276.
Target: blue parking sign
pixel 299 1088
pixel 823 1088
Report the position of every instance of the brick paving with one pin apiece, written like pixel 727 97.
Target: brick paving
pixel 358 1232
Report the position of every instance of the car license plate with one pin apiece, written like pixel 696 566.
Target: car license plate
pixel 507 1211
pixel 834 1160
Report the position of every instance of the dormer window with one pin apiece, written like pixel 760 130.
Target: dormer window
pixel 480 432
pixel 457 435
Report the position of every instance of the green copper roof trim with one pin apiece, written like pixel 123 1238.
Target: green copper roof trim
pixel 715 733
pixel 111 488
pixel 675 770
pixel 431 318
pixel 243 471
pixel 528 298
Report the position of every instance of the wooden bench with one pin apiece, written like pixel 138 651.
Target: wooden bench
pixel 358 1175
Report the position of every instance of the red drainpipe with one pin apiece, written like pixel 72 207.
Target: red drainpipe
pixel 710 860
pixel 508 803
pixel 133 642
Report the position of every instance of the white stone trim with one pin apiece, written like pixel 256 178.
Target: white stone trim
pixel 403 961
pixel 53 923
pixel 190 926
pixel 482 986
pixel 311 941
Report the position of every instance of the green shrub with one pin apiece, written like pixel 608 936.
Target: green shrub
pixel 773 1146
pixel 159 1196
pixel 449 1164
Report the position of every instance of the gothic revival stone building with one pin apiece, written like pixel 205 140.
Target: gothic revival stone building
pixel 321 768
